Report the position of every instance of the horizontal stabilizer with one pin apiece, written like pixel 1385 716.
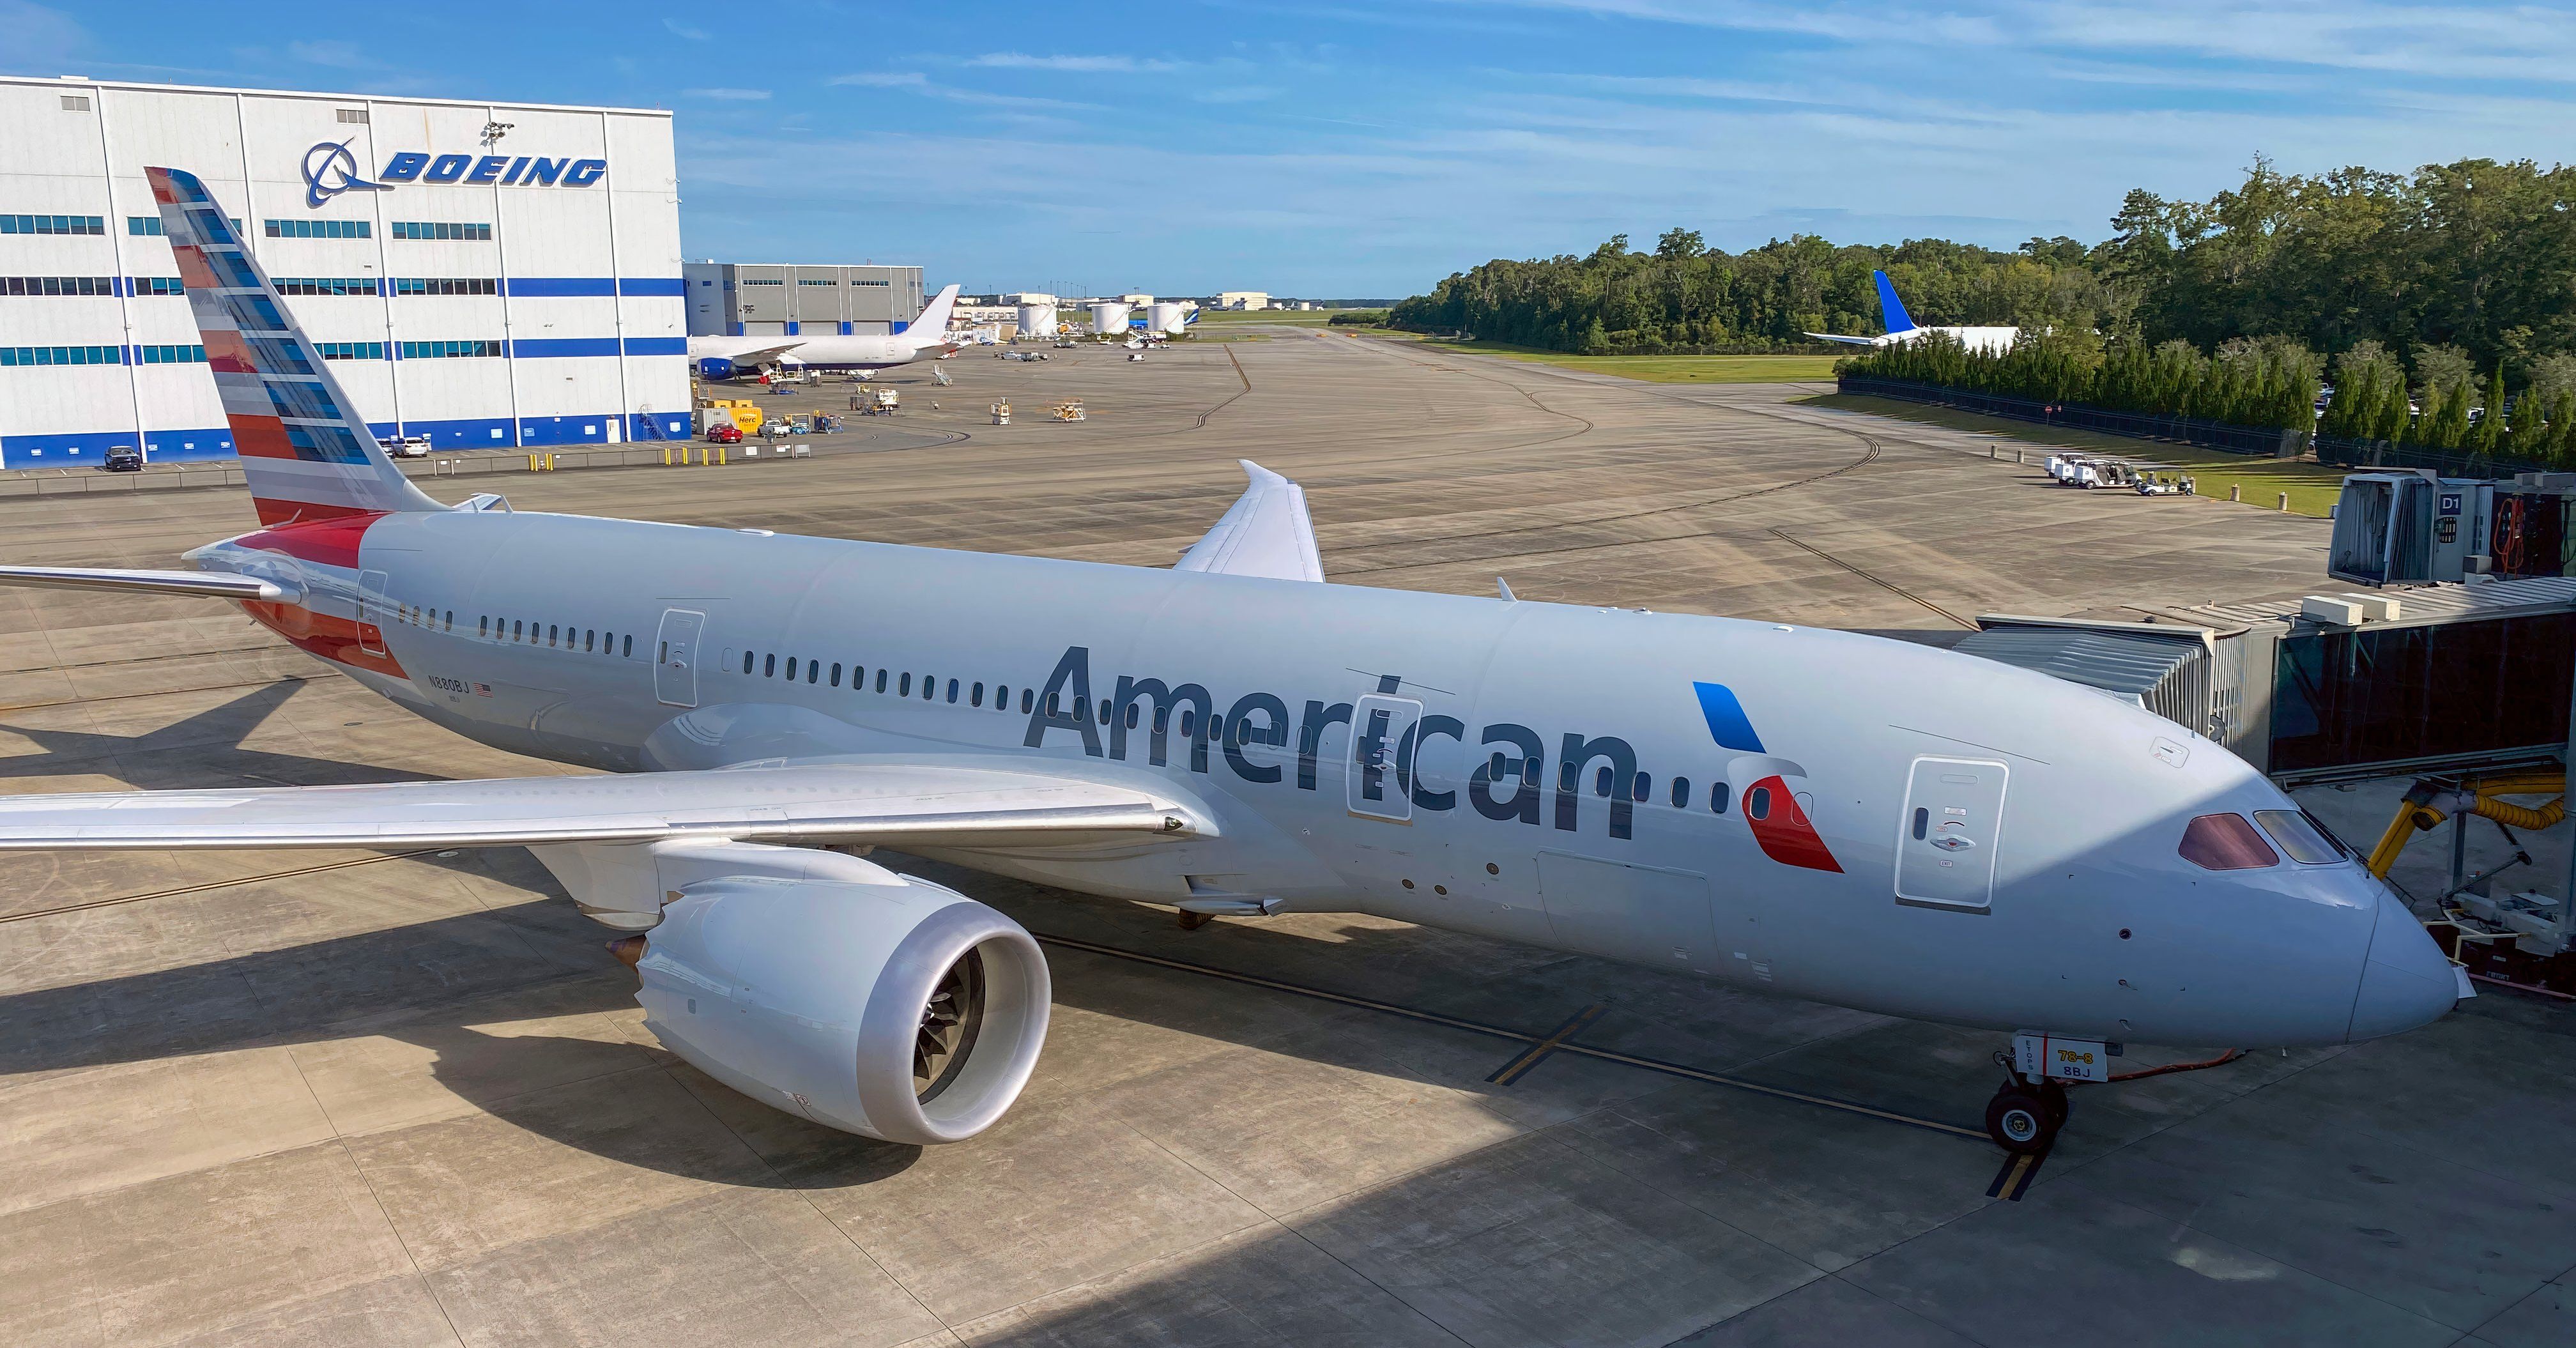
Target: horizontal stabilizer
pixel 210 584
pixel 816 803
pixel 1265 533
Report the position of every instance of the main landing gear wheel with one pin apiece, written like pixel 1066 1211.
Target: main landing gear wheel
pixel 2025 1119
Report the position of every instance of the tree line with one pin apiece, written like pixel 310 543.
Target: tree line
pixel 2455 284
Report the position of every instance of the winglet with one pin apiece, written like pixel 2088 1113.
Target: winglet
pixel 1503 590
pixel 931 329
pixel 1265 533
pixel 1891 308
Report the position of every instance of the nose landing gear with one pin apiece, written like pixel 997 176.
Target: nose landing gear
pixel 2023 1117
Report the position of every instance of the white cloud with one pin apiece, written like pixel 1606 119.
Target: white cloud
pixel 692 34
pixel 729 95
pixel 1241 93
pixel 1097 65
pixel 38 34
pixel 913 81
pixel 339 55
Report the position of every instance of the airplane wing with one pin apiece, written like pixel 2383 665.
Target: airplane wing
pixel 887 803
pixel 1847 341
pixel 764 355
pixel 1265 533
pixel 211 584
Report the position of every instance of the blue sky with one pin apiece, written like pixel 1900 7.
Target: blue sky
pixel 1347 148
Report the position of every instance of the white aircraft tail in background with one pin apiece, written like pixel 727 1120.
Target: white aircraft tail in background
pixel 1901 327
pixel 725 357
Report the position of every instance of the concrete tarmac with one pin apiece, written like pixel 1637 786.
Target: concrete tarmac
pixel 348 1098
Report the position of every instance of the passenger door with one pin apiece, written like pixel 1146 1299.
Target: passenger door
pixel 1377 786
pixel 675 658
pixel 1947 838
pixel 372 611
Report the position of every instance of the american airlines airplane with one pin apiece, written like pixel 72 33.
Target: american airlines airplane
pixel 1901 328
pixel 725 357
pixel 1814 813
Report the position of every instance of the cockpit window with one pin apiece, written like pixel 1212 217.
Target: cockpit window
pixel 2226 842
pixel 2299 836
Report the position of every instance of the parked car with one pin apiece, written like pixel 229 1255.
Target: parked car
pixel 409 447
pixel 722 434
pixel 122 459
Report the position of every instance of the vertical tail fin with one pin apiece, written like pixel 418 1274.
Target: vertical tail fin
pixel 304 451
pixel 931 329
pixel 1890 308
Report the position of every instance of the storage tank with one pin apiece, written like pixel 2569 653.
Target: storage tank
pixel 1109 319
pixel 1037 320
pixel 1168 318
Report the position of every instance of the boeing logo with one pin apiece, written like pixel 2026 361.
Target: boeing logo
pixel 331 169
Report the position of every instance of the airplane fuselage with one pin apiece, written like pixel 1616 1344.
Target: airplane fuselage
pixel 1810 812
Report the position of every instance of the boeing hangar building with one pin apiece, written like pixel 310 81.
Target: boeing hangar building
pixel 485 275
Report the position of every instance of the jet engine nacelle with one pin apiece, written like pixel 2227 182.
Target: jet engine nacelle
pixel 716 367
pixel 896 1009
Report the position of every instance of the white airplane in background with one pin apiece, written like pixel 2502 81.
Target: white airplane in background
pixel 726 357
pixel 1901 328
pixel 1820 814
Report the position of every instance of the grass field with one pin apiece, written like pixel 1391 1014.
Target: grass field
pixel 1660 369
pixel 2312 487
pixel 1304 318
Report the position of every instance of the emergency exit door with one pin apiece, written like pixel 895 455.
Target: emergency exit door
pixel 1382 732
pixel 1947 837
pixel 675 657
pixel 373 611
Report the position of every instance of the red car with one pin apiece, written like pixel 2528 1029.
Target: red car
pixel 724 435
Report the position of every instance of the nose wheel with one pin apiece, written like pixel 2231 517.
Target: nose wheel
pixel 2024 1118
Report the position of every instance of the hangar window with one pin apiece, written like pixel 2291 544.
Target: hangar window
pixel 442 285
pixel 61 355
pixel 429 230
pixel 319 229
pixel 351 350
pixel 75 102
pixel 56 224
pixel 57 285
pixel 352 116
pixel 172 355
pixel 449 351
pixel 1681 792
pixel 158 285
pixel 325 285
pixel 2226 842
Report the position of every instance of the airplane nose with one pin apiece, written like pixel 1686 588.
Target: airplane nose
pixel 2406 981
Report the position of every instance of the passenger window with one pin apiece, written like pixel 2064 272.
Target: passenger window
pixel 1189 718
pixel 1757 803
pixel 1922 822
pixel 791 669
pixel 1639 789
pixel 906 689
pixel 1568 775
pixel 626 645
pixel 1717 793
pixel 451 621
pixel 1162 720
pixel 1054 703
pixel 929 686
pixel 747 658
pixel 590 639
pixel 665 654
pixel 1104 713
pixel 1494 769
pixel 550 634
pixel 1080 711
pixel 952 690
pixel 518 629
pixel 977 699
pixel 836 674
pixel 769 666
pixel 813 671
pixel 2299 836
pixel 483 625
pixel 1001 697
pixel 881 680
pixel 1026 700
pixel 1601 781
pixel 1681 792
pixel 2226 842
